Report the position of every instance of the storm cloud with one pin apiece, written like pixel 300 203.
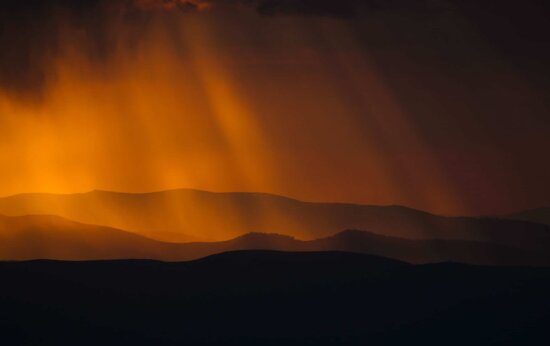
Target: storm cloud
pixel 31 31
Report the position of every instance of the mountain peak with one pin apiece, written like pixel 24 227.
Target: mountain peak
pixel 265 236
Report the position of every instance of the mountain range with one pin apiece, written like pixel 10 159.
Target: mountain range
pixel 52 237
pixel 190 215
pixel 537 215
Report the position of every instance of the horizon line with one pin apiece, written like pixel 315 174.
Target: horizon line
pixel 272 194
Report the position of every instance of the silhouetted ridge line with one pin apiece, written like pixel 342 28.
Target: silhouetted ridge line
pixel 51 237
pixel 537 215
pixel 191 215
pixel 271 298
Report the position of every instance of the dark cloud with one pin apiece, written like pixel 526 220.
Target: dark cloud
pixel 516 29
pixel 517 32
pixel 31 33
pixel 355 8
pixel 344 9
pixel 347 8
pixel 30 30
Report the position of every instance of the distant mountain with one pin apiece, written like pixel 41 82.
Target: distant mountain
pixel 272 298
pixel 191 214
pixel 538 215
pixel 431 251
pixel 50 237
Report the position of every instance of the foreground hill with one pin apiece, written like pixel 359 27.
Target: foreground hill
pixel 51 237
pixel 270 298
pixel 181 215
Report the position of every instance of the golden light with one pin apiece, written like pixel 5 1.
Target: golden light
pixel 306 114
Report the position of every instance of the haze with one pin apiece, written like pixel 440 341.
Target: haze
pixel 434 111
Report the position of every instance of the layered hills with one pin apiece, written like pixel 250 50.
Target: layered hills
pixel 52 237
pixel 190 215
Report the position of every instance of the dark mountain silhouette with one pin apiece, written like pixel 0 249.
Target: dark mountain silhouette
pixel 214 216
pixel 538 215
pixel 430 251
pixel 270 298
pixel 51 237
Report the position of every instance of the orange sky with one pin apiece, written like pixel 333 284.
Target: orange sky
pixel 227 100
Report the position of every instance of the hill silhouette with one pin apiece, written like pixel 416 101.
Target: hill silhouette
pixel 271 298
pixel 186 215
pixel 432 250
pixel 52 237
pixel 537 215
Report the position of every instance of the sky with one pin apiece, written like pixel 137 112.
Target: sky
pixel 440 105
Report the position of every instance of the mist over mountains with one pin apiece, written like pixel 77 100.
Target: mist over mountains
pixel 190 215
pixel 498 242
pixel 282 272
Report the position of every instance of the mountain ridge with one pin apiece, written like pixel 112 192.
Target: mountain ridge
pixel 184 215
pixel 52 237
pixel 537 215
